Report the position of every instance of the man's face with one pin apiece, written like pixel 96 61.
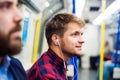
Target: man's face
pixel 10 18
pixel 71 43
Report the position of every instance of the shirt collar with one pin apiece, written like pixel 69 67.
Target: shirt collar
pixel 6 63
pixel 56 59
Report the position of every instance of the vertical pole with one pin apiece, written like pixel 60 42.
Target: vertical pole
pixel 75 68
pixel 73 10
pixel 102 41
pixel 36 41
pixel 117 41
pixel 75 58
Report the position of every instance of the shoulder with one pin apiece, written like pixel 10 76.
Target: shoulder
pixel 17 69
pixel 42 69
pixel 16 64
pixel 38 73
pixel 15 61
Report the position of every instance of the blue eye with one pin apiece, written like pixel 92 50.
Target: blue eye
pixel 81 33
pixel 76 33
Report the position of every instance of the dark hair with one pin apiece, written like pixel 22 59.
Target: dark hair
pixel 58 25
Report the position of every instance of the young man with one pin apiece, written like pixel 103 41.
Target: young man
pixel 64 36
pixel 10 41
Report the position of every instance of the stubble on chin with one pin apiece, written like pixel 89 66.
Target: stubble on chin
pixel 9 44
pixel 15 46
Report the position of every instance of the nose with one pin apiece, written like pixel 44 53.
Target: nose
pixel 81 40
pixel 18 17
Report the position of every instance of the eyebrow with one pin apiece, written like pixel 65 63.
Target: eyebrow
pixel 2 2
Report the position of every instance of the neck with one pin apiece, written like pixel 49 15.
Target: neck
pixel 66 56
pixel 59 52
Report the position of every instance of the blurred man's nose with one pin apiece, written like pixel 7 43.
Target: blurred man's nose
pixel 18 17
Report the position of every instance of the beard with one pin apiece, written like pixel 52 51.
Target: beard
pixel 10 46
pixel 68 51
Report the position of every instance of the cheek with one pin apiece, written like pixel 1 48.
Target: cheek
pixel 4 31
pixel 4 27
pixel 69 43
pixel 5 19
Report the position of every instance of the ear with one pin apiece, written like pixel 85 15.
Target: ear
pixel 54 39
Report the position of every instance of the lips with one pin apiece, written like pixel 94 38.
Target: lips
pixel 78 47
pixel 17 33
pixel 17 28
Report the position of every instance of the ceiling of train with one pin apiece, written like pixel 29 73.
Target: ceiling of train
pixel 93 8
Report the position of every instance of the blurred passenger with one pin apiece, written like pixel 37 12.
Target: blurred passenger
pixel 108 63
pixel 10 41
pixel 107 70
pixel 64 36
